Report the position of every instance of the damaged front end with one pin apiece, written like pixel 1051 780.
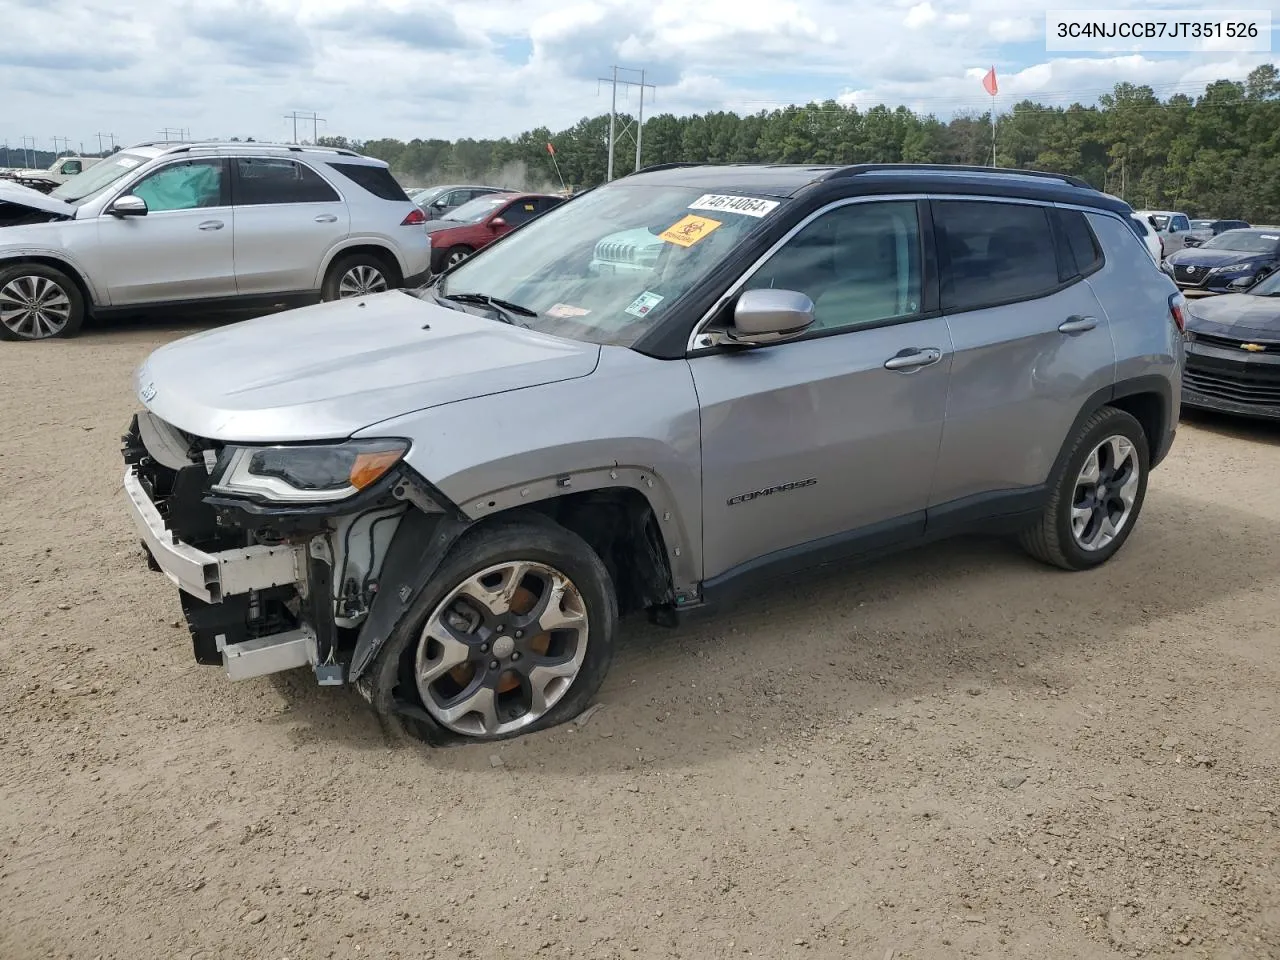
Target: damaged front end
pixel 277 551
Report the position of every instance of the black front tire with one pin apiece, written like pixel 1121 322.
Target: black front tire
pixel 389 682
pixel 1050 539
pixel 66 287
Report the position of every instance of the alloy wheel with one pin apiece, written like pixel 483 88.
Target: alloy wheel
pixel 1105 492
pixel 502 649
pixel 456 258
pixel 361 280
pixel 34 307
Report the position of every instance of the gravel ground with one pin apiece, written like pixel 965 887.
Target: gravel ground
pixel 955 752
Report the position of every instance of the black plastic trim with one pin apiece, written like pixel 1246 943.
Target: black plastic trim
pixel 417 549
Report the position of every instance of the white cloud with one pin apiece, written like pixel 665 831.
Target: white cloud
pixel 441 68
pixel 920 15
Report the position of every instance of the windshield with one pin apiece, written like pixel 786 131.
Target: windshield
pixel 84 185
pixel 1244 241
pixel 608 265
pixel 1201 224
pixel 473 211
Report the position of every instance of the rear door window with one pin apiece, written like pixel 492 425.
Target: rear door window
pixel 271 180
pixel 993 253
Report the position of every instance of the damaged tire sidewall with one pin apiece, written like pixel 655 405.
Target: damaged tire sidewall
pixel 389 678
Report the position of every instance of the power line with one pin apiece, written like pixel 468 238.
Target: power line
pixel 613 82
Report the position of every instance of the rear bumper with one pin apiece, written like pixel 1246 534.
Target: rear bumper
pixel 219 588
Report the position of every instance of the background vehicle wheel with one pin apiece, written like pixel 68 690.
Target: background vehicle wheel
pixel 358 275
pixel 38 302
pixel 514 634
pixel 1097 495
pixel 454 256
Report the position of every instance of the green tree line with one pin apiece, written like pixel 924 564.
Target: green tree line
pixel 1216 154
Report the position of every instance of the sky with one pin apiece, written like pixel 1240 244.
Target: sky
pixel 491 68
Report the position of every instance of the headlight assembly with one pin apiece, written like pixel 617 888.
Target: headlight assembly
pixel 319 473
pixel 1230 268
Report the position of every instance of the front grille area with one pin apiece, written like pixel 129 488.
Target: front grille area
pixel 171 468
pixel 1255 384
pixel 1190 276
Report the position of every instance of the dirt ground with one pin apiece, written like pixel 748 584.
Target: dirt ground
pixel 953 753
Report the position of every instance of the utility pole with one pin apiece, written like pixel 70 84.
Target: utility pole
pixel 613 81
pixel 295 116
pixel 109 136
pixel 168 132
pixel 26 155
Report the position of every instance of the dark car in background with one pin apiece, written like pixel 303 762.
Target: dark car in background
pixel 437 202
pixel 1205 230
pixel 1233 352
pixel 477 224
pixel 1230 261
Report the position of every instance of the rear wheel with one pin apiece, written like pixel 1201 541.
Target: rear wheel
pixel 38 302
pixel 514 633
pixel 1097 494
pixel 359 275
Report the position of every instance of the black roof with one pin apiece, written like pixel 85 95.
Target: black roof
pixel 784 180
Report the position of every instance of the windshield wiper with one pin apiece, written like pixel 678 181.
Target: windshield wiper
pixel 503 308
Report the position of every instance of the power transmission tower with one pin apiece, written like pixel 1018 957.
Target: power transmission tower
pixel 310 115
pixel 613 82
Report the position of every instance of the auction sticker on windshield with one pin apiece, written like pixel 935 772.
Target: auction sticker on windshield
pixel 689 231
pixel 750 206
pixel 642 304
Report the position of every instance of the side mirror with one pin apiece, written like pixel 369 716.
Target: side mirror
pixel 767 316
pixel 440 204
pixel 128 206
pixel 497 223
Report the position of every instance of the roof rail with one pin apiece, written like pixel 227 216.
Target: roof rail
pixel 182 146
pixel 668 166
pixel 860 168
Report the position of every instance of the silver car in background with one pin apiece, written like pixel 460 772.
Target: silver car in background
pixel 166 225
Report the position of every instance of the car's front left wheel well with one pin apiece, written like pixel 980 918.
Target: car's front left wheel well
pixel 621 527
pixel 61 265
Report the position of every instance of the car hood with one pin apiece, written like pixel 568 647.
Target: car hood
pixel 16 193
pixel 1200 257
pixel 327 371
pixel 1237 315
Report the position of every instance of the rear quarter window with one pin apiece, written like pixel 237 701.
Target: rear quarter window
pixel 375 180
pixel 1081 251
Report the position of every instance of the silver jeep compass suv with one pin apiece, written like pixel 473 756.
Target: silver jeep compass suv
pixel 662 392
pixel 164 225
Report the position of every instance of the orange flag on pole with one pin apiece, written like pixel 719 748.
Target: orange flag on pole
pixel 989 82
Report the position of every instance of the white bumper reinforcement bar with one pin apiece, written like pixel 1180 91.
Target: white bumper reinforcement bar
pixel 210 576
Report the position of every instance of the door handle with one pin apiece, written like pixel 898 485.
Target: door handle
pixel 327 218
pixel 211 225
pixel 1078 324
pixel 915 358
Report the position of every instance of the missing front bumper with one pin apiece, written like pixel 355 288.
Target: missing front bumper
pixel 221 590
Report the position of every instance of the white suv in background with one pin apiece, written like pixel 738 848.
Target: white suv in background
pixel 204 224
pixel 1171 227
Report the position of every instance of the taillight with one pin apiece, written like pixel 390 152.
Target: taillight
pixel 1177 309
pixel 414 218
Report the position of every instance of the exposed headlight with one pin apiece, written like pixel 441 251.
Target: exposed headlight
pixel 1167 267
pixel 322 473
pixel 1233 268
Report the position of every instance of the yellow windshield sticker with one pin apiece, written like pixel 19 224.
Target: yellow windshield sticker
pixel 689 230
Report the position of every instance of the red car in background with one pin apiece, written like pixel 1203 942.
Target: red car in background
pixel 477 223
